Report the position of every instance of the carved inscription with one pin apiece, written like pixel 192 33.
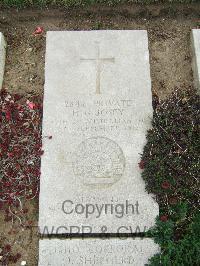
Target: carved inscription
pixel 93 255
pixel 101 116
pixel 99 160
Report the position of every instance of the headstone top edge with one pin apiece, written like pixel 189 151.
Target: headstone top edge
pixel 78 31
pixel 53 33
pixel 195 30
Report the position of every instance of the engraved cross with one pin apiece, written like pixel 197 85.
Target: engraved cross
pixel 99 61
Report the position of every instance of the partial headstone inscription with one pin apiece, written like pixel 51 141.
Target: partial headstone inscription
pixel 195 41
pixel 98 108
pixel 2 57
pixel 92 251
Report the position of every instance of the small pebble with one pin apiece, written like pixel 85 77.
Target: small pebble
pixel 23 262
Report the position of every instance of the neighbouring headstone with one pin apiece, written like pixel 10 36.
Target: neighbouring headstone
pixel 2 57
pixel 98 108
pixel 97 251
pixel 195 40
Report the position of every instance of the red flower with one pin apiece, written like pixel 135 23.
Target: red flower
pixel 164 218
pixel 18 256
pixel 41 152
pixel 173 200
pixel 19 107
pixel 17 97
pixel 25 210
pixel 3 92
pixel 11 154
pixel 38 30
pixel 17 166
pixel 19 138
pixel 7 247
pixel 8 115
pixel 141 164
pixel 29 223
pixel 31 105
pixel 7 184
pixel 3 146
pixel 165 185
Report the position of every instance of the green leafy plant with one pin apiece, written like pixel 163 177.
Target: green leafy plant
pixel 171 171
pixel 182 252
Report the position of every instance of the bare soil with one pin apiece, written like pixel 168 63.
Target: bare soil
pixel 168 26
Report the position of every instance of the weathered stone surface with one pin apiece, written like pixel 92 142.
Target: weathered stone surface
pixel 195 41
pixel 2 57
pixel 98 108
pixel 92 251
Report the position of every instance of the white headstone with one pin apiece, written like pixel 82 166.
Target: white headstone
pixel 195 39
pixel 2 57
pixel 97 252
pixel 98 108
